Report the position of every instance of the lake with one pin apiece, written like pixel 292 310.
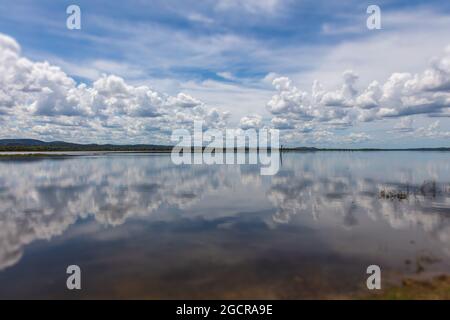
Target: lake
pixel 139 226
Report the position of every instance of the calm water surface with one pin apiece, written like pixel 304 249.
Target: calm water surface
pixel 141 227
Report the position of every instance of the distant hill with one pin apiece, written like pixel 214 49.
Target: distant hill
pixel 22 142
pixel 38 145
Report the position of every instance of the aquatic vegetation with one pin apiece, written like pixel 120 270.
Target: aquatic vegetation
pixel 428 189
pixel 393 194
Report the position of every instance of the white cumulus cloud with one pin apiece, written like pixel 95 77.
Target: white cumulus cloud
pixel 43 100
pixel 401 95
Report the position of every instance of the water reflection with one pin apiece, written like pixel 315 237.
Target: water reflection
pixel 333 202
pixel 41 199
pixel 348 188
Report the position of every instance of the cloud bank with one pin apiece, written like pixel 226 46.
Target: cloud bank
pixel 39 98
pixel 401 95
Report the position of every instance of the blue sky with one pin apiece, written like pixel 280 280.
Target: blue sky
pixel 225 55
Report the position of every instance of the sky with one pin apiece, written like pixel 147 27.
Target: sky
pixel 137 70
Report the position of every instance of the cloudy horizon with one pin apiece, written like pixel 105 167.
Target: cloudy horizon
pixel 136 71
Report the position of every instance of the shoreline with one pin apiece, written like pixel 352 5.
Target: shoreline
pixel 436 287
pixel 32 151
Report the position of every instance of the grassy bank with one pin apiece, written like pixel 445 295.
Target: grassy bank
pixel 437 288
